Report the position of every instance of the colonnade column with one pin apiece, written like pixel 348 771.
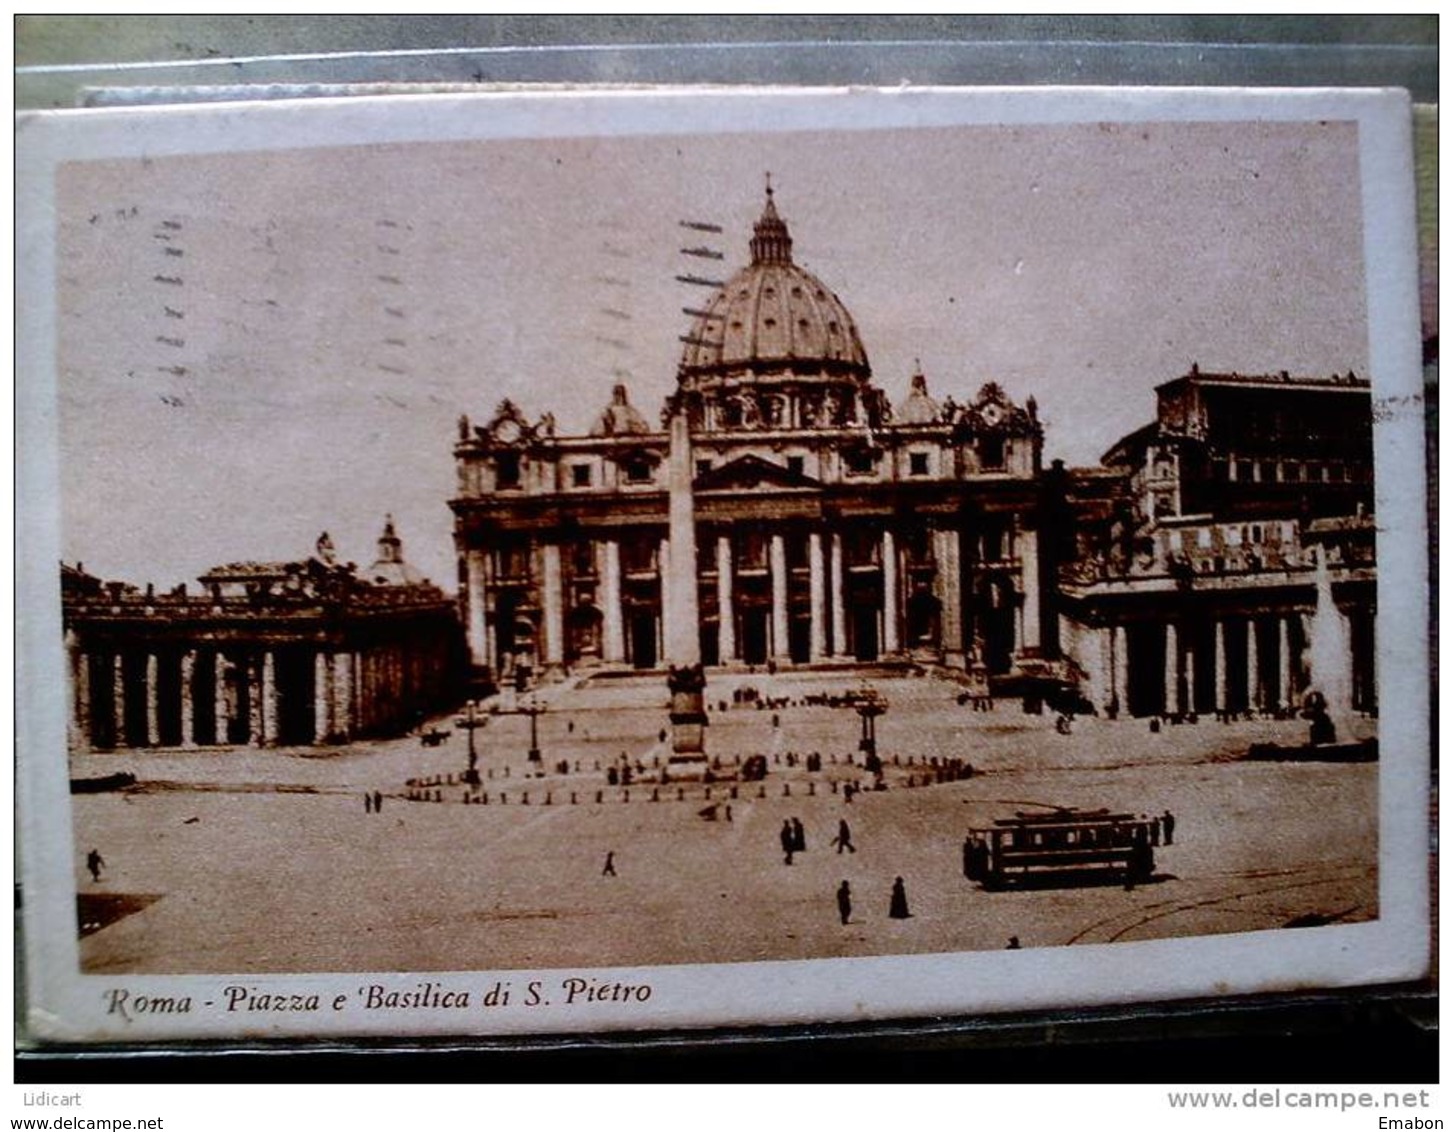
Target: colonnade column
pixel 947 581
pixel 118 698
pixel 342 664
pixel 478 628
pixel 189 670
pixel 839 608
pixel 83 698
pixel 153 668
pixel 778 561
pixel 554 606
pixel 1188 659
pixel 817 596
pixel 613 638
pixel 890 593
pixel 220 717
pixel 322 698
pixel 1253 667
pixel 1120 666
pixel 269 699
pixel 726 641
pixel 1172 668
pixel 1283 664
pixel 1220 665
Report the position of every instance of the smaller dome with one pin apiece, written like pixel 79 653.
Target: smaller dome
pixel 391 569
pixel 918 407
pixel 619 418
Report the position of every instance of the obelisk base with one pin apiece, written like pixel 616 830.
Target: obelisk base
pixel 687 761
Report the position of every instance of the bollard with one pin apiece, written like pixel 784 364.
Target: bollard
pixel 655 794
pixel 786 789
pixel 833 784
pixel 503 798
pixel 734 791
pixel 548 799
pixel 812 789
pixel 762 790
pixel 599 797
pixel 491 772
pixel 625 795
pixel 525 798
pixel 572 797
pixel 680 793
pixel 707 795
pixel 577 766
pixel 507 770
pixel 451 780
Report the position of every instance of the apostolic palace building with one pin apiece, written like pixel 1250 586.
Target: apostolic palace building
pixel 784 510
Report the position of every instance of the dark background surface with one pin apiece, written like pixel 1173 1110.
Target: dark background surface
pixel 1367 1036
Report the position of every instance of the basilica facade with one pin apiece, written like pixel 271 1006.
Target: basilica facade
pixel 831 524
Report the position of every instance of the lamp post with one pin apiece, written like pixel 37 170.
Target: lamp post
pixel 534 709
pixel 469 723
pixel 870 705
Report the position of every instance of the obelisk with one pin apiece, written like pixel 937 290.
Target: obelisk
pixel 687 678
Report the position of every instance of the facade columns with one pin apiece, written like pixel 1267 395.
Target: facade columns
pixel 780 649
pixel 947 581
pixel 613 637
pixel 1172 669
pixel 1028 554
pixel 839 608
pixel 726 647
pixel 815 588
pixel 1220 665
pixel 189 671
pixel 891 643
pixel 1120 666
pixel 1253 667
pixel 322 698
pixel 554 606
pixel 478 625
pixel 153 669
pixel 118 698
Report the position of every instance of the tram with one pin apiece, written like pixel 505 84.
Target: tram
pixel 1063 847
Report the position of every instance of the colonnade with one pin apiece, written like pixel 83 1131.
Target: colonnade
pixel 219 696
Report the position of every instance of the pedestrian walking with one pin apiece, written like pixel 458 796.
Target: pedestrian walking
pixel 898 902
pixel 844 838
pixel 799 836
pixel 789 842
pixel 378 802
pixel 367 802
pixel 610 864
pixel 95 864
pixel 844 902
pixel 1168 827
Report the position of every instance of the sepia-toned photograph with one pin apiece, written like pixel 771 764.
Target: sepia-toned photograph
pixel 569 562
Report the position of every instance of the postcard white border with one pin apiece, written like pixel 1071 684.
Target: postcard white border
pixel 64 1005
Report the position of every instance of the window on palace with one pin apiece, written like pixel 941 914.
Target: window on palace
pixel 859 461
pixel 751 550
pixel 702 467
pixel 795 548
pixel 638 554
pixel 991 453
pixel 582 559
pixel 507 470
pixel 794 465
pixel 580 475
pixel 918 463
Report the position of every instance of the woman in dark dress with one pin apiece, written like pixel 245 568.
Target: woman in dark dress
pixel 898 902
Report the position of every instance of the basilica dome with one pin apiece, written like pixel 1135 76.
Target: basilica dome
pixel 773 317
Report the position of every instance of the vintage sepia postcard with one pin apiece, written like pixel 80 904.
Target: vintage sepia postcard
pixel 605 560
